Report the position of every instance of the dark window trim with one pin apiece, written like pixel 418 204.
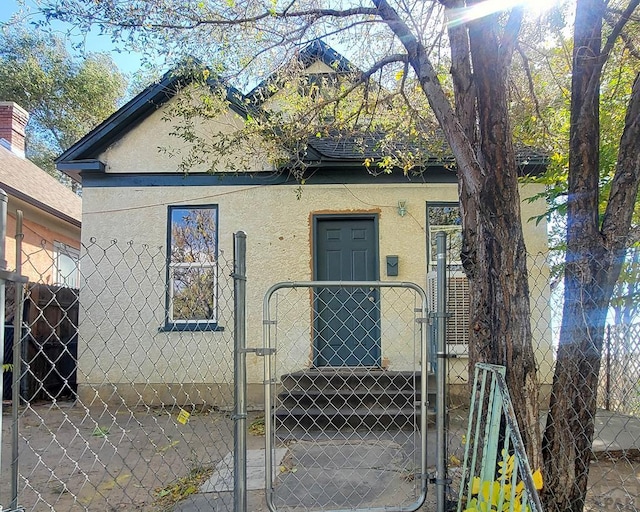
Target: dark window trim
pixel 436 204
pixel 186 325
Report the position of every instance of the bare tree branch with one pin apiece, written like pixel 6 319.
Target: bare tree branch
pixel 428 78
pixel 629 44
pixel 603 56
pixel 199 22
pixel 527 70
pixel 624 188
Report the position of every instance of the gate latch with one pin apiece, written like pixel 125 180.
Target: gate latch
pixel 260 352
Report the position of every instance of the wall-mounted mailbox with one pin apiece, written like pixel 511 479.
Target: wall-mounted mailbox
pixel 392 265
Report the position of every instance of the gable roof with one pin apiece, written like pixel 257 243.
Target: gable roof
pixel 316 51
pixel 82 155
pixel 328 150
pixel 24 180
pixel 127 117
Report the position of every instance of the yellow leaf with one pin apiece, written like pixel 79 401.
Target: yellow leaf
pixel 537 479
pixel 118 481
pixel 508 471
pixel 399 75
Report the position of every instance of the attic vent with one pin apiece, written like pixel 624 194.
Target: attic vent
pixel 457 305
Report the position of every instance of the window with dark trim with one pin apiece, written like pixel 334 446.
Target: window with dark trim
pixel 192 268
pixel 445 217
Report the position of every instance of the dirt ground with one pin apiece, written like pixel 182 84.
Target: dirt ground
pixel 78 459
pixel 74 458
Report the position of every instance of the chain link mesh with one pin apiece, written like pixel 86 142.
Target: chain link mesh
pixel 106 384
pixel 345 416
pixel 614 473
pixel 120 410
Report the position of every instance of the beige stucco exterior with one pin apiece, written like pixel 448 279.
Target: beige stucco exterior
pixel 122 342
pixel 278 220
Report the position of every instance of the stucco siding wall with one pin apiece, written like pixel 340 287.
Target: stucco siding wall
pixel 151 148
pixel 278 220
pixel 40 232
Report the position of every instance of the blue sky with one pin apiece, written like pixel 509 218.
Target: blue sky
pixel 127 62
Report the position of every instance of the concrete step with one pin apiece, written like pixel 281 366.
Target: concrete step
pixel 360 398
pixel 339 398
pixel 354 378
pixel 377 418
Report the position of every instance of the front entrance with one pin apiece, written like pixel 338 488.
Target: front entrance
pixel 346 319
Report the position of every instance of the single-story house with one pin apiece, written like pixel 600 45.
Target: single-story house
pixel 133 191
pixel 51 211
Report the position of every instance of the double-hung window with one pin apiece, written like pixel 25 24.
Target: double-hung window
pixel 446 217
pixel 192 268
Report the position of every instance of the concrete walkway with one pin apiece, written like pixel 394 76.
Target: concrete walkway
pixel 368 472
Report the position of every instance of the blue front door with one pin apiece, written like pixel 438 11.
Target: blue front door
pixel 346 320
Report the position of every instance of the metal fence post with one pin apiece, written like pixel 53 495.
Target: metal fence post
pixel 3 267
pixel 607 394
pixel 17 365
pixel 441 373
pixel 240 372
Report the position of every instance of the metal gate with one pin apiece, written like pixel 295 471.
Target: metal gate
pixel 347 436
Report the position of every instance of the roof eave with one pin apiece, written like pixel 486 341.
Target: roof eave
pixel 40 205
pixel 75 168
pixel 121 121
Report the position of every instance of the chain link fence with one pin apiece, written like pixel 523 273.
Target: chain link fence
pixel 620 382
pixel 343 414
pixel 120 410
pixel 614 472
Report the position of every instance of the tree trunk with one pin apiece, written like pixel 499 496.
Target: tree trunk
pixel 594 258
pixel 495 256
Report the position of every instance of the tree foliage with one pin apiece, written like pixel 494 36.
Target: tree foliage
pixel 64 96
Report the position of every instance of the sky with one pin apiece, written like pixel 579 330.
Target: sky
pixel 127 62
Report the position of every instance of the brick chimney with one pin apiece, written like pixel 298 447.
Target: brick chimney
pixel 13 120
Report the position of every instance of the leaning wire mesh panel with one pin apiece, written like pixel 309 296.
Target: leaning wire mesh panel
pixel 345 397
pixel 612 476
pixel 121 407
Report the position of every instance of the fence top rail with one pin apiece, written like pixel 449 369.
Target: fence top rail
pixel 348 284
pixel 345 284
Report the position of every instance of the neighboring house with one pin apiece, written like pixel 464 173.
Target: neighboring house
pixel 133 191
pixel 51 211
